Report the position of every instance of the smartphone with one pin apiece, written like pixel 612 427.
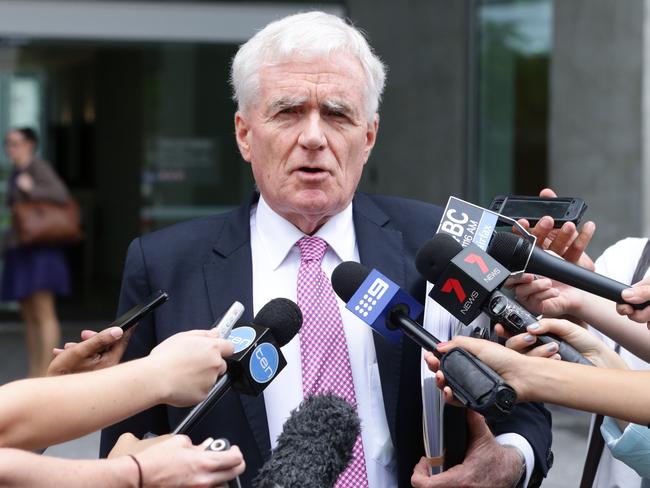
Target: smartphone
pixel 567 209
pixel 133 316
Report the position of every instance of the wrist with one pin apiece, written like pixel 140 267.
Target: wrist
pixel 157 385
pixel 520 475
pixel 126 472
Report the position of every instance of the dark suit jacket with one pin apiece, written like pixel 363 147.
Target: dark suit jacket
pixel 205 265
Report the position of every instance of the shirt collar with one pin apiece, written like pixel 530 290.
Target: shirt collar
pixel 278 235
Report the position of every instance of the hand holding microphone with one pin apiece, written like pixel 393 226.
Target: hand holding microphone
pixel 381 304
pixel 587 344
pixel 467 283
pixel 636 294
pixel 257 358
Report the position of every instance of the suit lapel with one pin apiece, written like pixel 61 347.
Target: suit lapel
pixel 229 277
pixel 381 247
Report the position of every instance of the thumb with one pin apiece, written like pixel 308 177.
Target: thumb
pixel 100 341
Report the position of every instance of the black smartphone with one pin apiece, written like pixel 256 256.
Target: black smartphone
pixel 133 316
pixel 566 209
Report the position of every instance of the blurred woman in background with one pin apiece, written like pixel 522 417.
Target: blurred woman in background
pixel 33 275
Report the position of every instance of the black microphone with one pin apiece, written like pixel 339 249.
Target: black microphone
pixel 467 282
pixel 384 306
pixel 257 359
pixel 513 251
pixel 315 445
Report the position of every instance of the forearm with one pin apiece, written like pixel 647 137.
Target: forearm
pixel 617 393
pixel 19 469
pixel 76 404
pixel 601 314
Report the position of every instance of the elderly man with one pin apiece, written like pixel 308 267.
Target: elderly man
pixel 308 89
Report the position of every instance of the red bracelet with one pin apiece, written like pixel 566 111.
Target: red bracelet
pixel 137 463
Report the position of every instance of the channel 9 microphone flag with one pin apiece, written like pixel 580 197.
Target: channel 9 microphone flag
pixel 468 224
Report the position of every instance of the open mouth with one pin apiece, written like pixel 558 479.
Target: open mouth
pixel 311 170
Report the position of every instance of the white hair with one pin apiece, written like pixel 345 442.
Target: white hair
pixel 311 35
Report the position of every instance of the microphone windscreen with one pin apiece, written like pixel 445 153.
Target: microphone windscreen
pixel 509 249
pixel 435 254
pixel 315 445
pixel 347 278
pixel 282 317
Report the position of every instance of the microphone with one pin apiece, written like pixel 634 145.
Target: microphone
pixel 257 359
pixel 315 445
pixel 514 251
pixel 474 384
pixel 467 282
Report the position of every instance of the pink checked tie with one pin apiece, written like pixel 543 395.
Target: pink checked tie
pixel 323 350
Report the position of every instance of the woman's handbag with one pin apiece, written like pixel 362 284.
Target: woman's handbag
pixel 42 222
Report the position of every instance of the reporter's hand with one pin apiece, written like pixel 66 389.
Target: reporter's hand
pixel 187 365
pixel 566 241
pixel 176 462
pixel 506 362
pixel 98 350
pixel 582 340
pixel 551 298
pixel 637 293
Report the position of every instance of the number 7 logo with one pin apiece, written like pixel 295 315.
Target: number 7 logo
pixel 478 260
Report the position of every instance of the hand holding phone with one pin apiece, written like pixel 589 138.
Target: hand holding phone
pixel 100 350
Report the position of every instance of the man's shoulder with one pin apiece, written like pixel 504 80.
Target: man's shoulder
pixel 397 205
pixel 191 237
pixel 405 213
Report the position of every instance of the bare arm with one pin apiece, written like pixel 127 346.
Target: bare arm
pixel 617 393
pixel 554 299
pixel 81 403
pixel 174 462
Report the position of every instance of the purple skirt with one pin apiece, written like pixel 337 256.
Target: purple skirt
pixel 30 269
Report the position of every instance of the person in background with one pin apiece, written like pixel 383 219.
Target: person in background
pixel 33 275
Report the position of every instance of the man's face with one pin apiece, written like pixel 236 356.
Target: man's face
pixel 307 137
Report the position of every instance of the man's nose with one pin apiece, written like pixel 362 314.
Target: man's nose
pixel 312 136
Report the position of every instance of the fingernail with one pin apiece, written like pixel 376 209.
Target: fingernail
pixel 628 293
pixel 529 338
pixel 116 332
pixel 552 347
pixel 533 327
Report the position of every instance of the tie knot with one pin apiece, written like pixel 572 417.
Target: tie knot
pixel 311 248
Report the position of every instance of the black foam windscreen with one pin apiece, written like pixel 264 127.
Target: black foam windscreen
pixel 315 445
pixel 509 249
pixel 282 317
pixel 347 278
pixel 435 254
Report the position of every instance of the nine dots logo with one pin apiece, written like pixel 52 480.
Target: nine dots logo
pixel 365 305
pixel 370 298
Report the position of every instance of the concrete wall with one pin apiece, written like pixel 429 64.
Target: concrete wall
pixel 597 117
pixel 421 147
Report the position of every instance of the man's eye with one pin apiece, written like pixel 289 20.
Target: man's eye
pixel 288 110
pixel 336 114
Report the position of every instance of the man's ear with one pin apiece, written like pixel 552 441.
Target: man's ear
pixel 371 135
pixel 242 135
